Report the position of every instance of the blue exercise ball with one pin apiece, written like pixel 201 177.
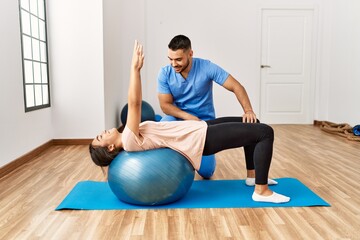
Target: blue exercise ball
pixel 147 113
pixel 207 167
pixel 152 177
pixel 356 130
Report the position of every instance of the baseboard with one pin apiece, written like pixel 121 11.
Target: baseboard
pixel 82 141
pixel 13 165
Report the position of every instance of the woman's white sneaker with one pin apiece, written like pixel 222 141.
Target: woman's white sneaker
pixel 273 198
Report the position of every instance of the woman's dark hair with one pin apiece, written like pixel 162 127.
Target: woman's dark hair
pixel 101 155
pixel 180 42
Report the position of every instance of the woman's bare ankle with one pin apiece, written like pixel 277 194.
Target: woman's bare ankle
pixel 263 190
pixel 250 173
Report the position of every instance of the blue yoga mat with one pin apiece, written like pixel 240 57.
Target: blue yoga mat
pixel 90 195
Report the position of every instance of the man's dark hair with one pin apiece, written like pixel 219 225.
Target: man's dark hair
pixel 180 42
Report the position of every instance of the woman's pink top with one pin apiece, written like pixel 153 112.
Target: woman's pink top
pixel 186 137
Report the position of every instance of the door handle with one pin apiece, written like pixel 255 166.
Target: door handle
pixel 265 66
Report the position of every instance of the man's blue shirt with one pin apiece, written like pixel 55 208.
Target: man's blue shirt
pixel 195 93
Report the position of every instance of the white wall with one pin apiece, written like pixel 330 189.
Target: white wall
pixel 20 132
pixel 123 23
pixel 344 72
pixel 76 66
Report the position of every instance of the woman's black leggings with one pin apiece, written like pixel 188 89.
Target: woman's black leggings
pixel 256 138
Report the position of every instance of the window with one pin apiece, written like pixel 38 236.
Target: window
pixel 34 54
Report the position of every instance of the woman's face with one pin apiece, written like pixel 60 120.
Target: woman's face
pixel 106 138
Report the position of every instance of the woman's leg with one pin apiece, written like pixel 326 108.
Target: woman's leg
pixel 248 150
pixel 223 135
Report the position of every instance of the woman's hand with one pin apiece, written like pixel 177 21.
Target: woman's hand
pixel 138 56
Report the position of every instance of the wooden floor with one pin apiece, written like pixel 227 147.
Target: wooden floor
pixel 327 164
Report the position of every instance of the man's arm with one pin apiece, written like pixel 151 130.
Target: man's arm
pixel 166 105
pixel 234 86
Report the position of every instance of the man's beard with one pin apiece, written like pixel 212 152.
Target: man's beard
pixel 183 68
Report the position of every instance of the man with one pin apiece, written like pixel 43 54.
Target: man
pixel 185 85
pixel 185 93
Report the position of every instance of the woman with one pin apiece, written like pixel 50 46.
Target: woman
pixel 191 138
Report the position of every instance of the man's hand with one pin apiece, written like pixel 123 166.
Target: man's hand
pixel 192 117
pixel 249 117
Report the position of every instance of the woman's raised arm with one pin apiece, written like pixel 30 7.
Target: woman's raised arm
pixel 135 92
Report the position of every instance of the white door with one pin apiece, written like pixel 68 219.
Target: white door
pixel 287 66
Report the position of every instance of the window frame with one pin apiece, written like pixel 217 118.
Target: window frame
pixel 34 105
